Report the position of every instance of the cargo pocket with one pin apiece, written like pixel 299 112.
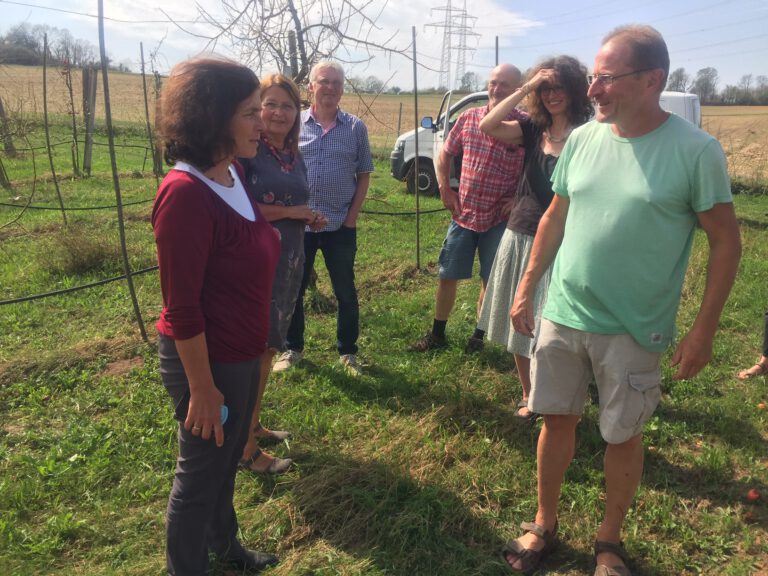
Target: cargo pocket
pixel 643 395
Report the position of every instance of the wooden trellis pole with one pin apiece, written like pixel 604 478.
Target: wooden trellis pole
pixel 90 75
pixel 5 130
pixel 47 129
pixel 115 177
pixel 157 167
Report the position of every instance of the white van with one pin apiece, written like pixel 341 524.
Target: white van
pixel 684 105
pixel 432 134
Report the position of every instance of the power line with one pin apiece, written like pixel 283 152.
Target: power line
pixel 726 43
pixel 591 36
pixel 86 15
pixel 444 78
pixel 464 31
pixel 551 17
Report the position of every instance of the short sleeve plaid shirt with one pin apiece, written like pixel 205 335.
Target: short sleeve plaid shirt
pixel 490 171
pixel 334 160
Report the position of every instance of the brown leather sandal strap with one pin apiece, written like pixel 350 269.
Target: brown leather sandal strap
pixel 613 548
pixel 540 531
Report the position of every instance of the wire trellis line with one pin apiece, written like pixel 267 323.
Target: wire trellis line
pixel 75 288
pixel 414 213
pixel 146 200
pixel 76 208
pixel 79 141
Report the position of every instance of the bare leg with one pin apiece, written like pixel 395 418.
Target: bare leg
pixel 524 373
pixel 623 469
pixel 555 451
pixel 266 367
pixel 445 298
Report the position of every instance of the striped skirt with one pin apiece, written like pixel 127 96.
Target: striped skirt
pixel 507 271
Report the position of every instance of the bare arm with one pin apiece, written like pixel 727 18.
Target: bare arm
pixel 448 195
pixel 508 131
pixel 205 399
pixel 311 218
pixel 363 180
pixel 545 247
pixel 273 212
pixel 695 349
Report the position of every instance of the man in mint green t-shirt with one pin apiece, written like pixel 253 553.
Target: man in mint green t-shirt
pixel 630 190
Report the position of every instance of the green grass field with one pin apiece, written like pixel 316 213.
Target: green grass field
pixel 416 468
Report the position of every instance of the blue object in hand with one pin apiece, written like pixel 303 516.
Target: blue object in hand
pixel 224 413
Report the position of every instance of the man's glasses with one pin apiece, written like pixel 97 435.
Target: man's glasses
pixel 330 83
pixel 274 107
pixel 608 79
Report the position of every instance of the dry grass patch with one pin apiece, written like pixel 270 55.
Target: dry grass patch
pixel 21 88
pixel 743 133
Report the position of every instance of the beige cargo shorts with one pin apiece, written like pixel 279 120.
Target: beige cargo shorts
pixel 628 378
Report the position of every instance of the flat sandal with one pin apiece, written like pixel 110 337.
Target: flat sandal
pixel 528 557
pixel 618 550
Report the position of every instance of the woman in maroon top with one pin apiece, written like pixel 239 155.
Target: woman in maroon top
pixel 217 257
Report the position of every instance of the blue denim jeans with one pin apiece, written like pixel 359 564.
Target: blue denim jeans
pixel 339 248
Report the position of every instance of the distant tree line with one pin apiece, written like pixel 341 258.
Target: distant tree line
pixel 748 91
pixel 23 44
pixel 469 82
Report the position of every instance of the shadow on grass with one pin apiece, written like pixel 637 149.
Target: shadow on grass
pixel 737 433
pixel 461 408
pixel 409 528
pixel 753 224
pixel 373 511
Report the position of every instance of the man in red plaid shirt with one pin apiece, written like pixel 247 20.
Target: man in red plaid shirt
pixel 490 171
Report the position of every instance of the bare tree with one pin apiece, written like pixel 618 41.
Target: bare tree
pixel 373 85
pixel 678 80
pixel 469 82
pixel 261 31
pixel 705 85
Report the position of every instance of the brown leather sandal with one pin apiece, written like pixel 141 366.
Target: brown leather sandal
pixel 265 436
pixel 529 418
pixel 528 557
pixel 618 550
pixel 276 465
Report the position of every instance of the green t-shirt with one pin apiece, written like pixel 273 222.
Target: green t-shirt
pixel 631 219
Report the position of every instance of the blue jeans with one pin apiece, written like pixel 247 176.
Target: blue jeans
pixel 339 248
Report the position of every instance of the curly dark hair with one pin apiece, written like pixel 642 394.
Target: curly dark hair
pixel 572 75
pixel 197 104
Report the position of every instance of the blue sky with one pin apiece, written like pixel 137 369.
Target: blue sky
pixel 731 36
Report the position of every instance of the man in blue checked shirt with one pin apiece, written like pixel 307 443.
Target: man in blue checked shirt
pixel 338 158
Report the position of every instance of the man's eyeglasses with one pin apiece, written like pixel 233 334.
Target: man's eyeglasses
pixel 608 79
pixel 546 90
pixel 330 83
pixel 274 106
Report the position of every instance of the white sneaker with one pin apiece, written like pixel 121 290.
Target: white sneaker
pixel 288 359
pixel 349 361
